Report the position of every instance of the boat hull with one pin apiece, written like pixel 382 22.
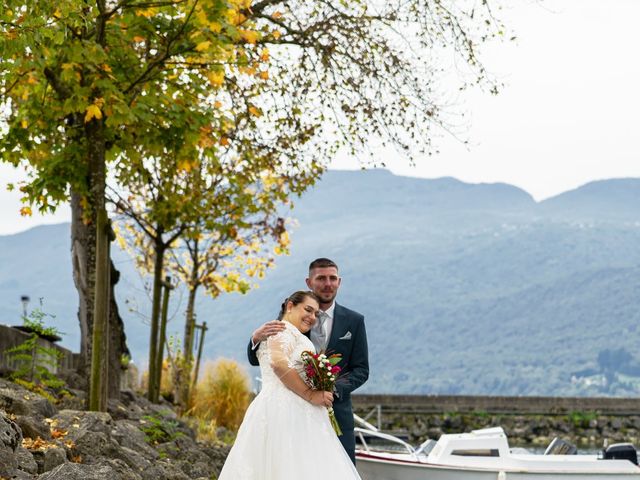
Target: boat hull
pixel 371 468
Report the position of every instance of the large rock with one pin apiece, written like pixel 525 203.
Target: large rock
pixel 133 459
pixel 94 446
pixel 49 458
pixel 33 427
pixel 91 446
pixel 194 459
pixel 128 434
pixel 20 401
pixel 26 462
pixel 105 470
pixel 10 440
pixel 77 423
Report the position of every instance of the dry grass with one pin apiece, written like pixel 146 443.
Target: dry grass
pixel 222 395
pixel 166 381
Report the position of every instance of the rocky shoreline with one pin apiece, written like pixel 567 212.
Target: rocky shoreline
pixel 133 440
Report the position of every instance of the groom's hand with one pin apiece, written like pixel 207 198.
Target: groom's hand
pixel 266 330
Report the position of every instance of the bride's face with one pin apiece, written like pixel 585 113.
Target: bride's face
pixel 303 315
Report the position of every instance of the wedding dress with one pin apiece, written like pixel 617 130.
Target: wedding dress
pixel 283 436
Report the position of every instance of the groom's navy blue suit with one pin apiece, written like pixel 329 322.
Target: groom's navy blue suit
pixel 349 339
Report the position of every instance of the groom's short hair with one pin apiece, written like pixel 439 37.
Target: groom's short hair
pixel 322 263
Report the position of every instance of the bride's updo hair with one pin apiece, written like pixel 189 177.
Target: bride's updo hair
pixel 296 298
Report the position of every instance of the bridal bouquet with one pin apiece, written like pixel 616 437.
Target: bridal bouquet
pixel 322 372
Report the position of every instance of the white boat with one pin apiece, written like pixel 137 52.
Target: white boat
pixel 483 455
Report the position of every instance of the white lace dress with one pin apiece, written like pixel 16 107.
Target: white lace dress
pixel 282 436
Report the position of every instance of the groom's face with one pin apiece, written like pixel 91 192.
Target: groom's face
pixel 324 282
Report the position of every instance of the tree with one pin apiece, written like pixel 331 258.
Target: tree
pixel 222 261
pixel 82 85
pixel 90 89
pixel 214 209
pixel 153 218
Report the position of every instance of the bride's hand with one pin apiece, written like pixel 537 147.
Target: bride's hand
pixel 266 330
pixel 324 399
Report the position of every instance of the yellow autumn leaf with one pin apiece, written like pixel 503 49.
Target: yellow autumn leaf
pixel 276 34
pixel 149 12
pixel 217 104
pixel 235 17
pixel 106 67
pixel 185 165
pixel 139 39
pixel 224 141
pixel 24 123
pixel 285 239
pixel 26 211
pixel 216 78
pixel 276 15
pixel 249 36
pixel 264 75
pixel 264 55
pixel 245 4
pixel 57 13
pixel 201 15
pixel 215 27
pixel 93 111
pixel 255 111
pixel 247 70
pixel 202 46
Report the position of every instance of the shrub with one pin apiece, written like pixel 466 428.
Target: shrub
pixel 35 363
pixel 222 395
pixel 159 429
pixel 166 381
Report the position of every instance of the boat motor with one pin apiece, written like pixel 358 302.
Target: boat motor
pixel 621 451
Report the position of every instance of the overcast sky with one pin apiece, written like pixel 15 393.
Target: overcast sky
pixel 568 114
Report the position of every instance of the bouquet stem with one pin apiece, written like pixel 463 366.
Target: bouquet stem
pixel 334 421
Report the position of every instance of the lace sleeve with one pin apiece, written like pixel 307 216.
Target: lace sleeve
pixel 280 348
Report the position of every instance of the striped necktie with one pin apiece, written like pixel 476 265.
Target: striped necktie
pixel 319 332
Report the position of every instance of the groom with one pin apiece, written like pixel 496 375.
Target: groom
pixel 337 330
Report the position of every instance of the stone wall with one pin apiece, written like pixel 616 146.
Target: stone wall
pixel 498 404
pixel 11 337
pixel 530 421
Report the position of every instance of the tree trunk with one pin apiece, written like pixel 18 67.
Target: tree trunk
pixel 183 386
pixel 186 365
pixel 190 323
pixel 83 255
pixel 117 339
pixel 166 285
pixel 83 247
pixel 153 392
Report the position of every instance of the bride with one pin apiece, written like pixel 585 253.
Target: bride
pixel 286 433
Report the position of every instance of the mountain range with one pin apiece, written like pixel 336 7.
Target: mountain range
pixel 466 288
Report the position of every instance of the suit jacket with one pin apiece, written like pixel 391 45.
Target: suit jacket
pixel 348 338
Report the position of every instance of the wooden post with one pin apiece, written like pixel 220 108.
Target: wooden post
pixel 203 329
pixel 99 360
